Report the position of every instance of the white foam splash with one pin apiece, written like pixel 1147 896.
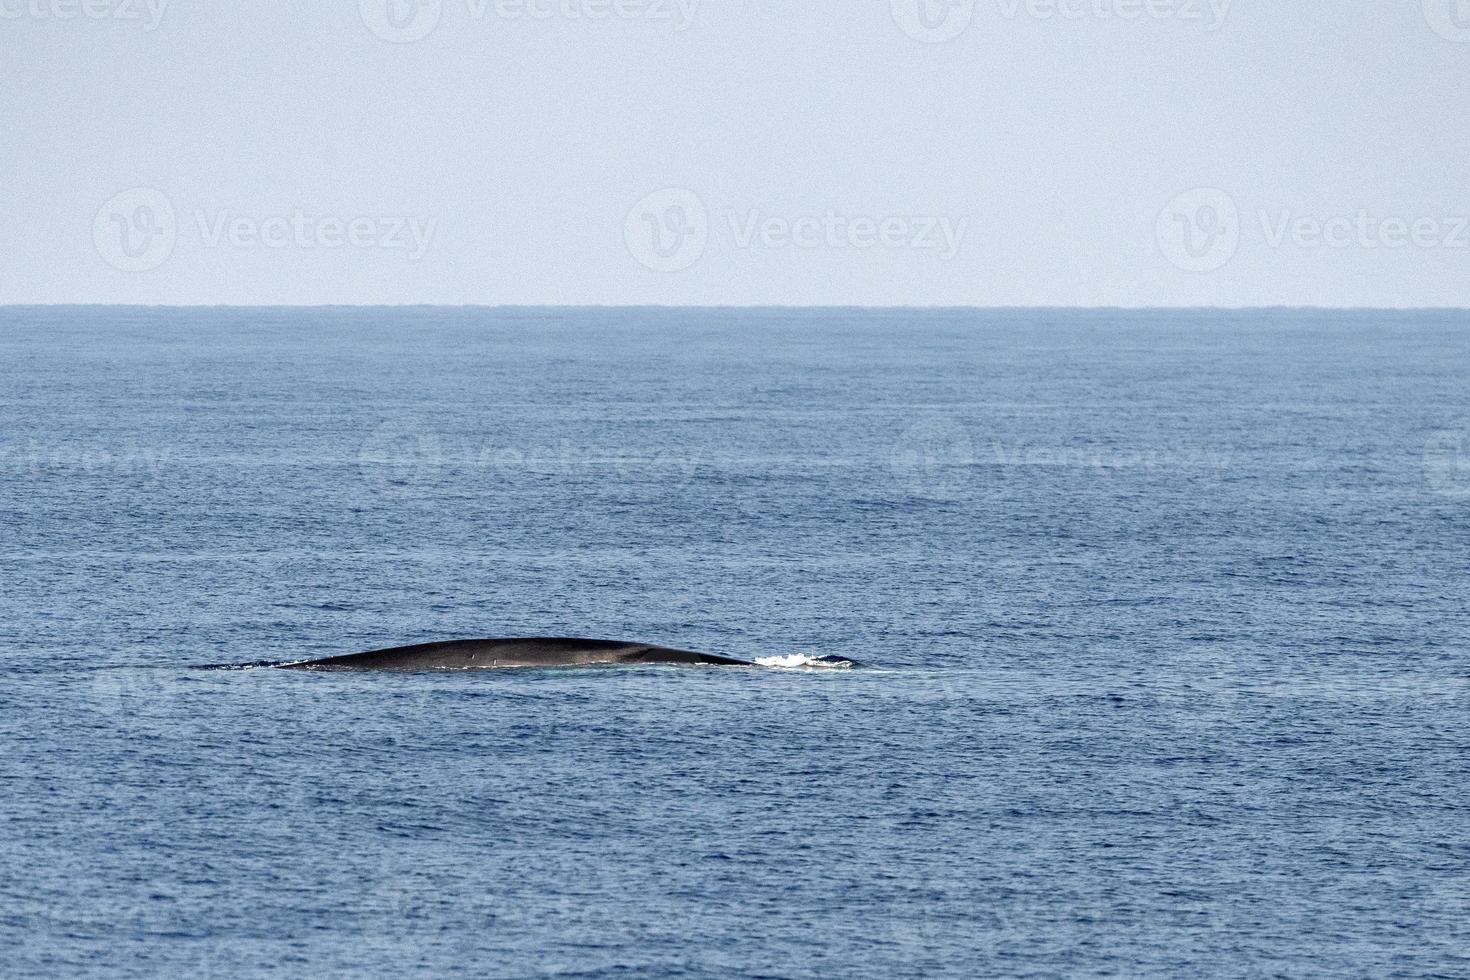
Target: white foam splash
pixel 793 661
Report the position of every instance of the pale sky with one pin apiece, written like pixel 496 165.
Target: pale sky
pixel 798 152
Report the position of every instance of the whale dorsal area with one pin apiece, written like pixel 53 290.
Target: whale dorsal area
pixel 514 652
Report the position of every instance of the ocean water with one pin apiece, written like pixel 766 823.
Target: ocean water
pixel 1163 615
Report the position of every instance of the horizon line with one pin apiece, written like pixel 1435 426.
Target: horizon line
pixel 1277 307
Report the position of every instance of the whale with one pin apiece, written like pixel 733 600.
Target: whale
pixel 493 654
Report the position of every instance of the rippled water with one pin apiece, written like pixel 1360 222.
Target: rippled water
pixel 1165 619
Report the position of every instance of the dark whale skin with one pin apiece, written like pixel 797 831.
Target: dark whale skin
pixel 516 652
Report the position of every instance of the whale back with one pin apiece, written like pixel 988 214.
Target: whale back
pixel 513 652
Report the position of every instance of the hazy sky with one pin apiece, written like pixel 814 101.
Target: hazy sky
pixel 1000 152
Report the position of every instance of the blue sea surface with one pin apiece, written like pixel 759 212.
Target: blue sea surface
pixel 1165 620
